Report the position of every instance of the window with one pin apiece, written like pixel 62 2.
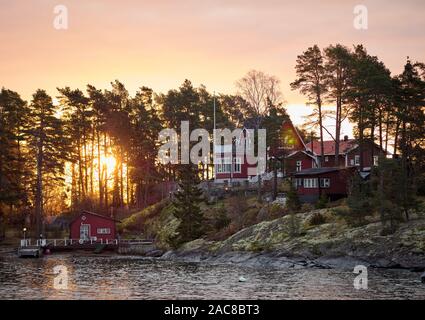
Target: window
pixel 310 183
pixel 103 231
pixel 223 165
pixel 375 160
pixel 357 160
pixel 298 183
pixel 326 159
pixel 237 165
pixel 299 166
pixel 325 182
pixel 227 166
pixel 218 167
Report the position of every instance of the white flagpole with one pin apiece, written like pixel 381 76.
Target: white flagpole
pixel 214 146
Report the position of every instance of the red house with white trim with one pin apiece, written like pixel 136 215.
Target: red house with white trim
pixel 231 165
pixel 349 153
pixel 311 184
pixel 303 159
pixel 93 226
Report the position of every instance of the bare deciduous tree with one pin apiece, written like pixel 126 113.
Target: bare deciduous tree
pixel 260 91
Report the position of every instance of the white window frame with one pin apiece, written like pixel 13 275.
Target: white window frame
pixel 223 165
pixel 310 183
pixel 237 165
pixel 375 160
pixel 227 165
pixel 357 160
pixel 298 182
pixel 325 182
pixel 326 159
pixel 299 165
pixel 218 165
pixel 103 230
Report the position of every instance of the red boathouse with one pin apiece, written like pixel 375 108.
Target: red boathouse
pixel 93 226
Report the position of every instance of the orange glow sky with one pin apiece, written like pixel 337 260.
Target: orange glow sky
pixel 160 43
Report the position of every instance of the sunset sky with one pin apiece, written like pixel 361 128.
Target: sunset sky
pixel 160 43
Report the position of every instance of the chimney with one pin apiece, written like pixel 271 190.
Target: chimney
pixel 345 138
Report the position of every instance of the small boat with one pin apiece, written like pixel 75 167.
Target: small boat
pixel 30 252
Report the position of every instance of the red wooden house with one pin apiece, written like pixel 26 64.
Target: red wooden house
pixel 349 153
pixel 231 166
pixel 331 182
pixel 93 226
pixel 301 161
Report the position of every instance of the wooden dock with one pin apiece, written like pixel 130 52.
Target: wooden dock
pixel 57 245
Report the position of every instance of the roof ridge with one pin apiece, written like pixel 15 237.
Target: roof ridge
pixel 98 215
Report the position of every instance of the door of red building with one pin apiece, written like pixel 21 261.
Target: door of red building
pixel 85 232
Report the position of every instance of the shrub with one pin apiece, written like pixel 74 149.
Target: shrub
pixel 221 220
pixel 317 219
pixel 257 246
pixel 346 214
pixel 292 201
pixel 294 225
pixel 322 202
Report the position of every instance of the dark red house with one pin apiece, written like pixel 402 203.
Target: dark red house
pixel 331 182
pixel 349 153
pixel 93 226
pixel 232 166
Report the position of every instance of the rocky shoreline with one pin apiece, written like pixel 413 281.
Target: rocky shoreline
pixel 279 260
pixel 332 244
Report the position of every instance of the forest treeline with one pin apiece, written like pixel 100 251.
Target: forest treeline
pixel 97 149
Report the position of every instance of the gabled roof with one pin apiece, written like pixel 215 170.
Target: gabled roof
pixel 95 214
pixel 329 147
pixel 302 151
pixel 288 123
pixel 345 146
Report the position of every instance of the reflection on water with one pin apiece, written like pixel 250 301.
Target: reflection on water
pixel 124 277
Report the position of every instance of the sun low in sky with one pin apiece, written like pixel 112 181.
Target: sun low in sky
pixel 161 43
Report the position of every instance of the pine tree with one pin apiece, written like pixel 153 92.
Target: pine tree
pixel 292 200
pixel 412 118
pixel 311 82
pixel 78 124
pixel 186 206
pixel 338 73
pixel 145 127
pixel 387 180
pixel 49 144
pixel 14 171
pixel 359 200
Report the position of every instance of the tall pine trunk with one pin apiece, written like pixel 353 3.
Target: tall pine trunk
pixel 99 172
pixel 322 146
pixel 337 130
pixel 39 189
